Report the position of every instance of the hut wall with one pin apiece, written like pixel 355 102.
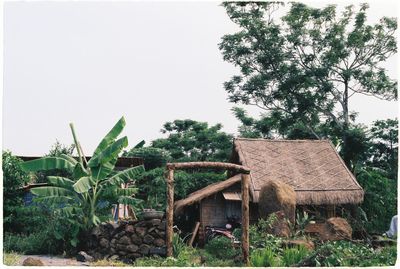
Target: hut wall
pixel 212 211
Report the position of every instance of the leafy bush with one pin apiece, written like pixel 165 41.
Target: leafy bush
pixel 259 238
pixel 13 179
pixel 264 258
pixel 292 256
pixel 216 245
pixel 380 200
pixel 344 253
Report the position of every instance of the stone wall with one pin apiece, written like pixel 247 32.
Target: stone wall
pixel 128 240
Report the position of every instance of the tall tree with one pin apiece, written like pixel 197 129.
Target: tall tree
pixel 190 140
pixel 310 62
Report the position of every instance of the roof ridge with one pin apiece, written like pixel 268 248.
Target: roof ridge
pixel 282 140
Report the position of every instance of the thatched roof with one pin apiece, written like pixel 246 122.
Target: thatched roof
pixel 312 167
pixel 205 192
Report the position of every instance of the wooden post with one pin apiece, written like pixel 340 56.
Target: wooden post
pixel 170 210
pixel 194 233
pixel 245 218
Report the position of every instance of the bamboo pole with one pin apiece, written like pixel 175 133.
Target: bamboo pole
pixel 245 218
pixel 170 210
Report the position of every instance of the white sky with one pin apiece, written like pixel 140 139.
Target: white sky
pixel 90 63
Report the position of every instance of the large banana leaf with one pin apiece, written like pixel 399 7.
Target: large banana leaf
pixel 102 171
pixel 84 184
pixel 109 153
pixel 47 163
pixel 139 145
pixel 79 171
pixel 52 199
pixel 110 137
pixel 70 211
pixel 62 182
pixel 125 176
pixel 68 158
pixel 52 191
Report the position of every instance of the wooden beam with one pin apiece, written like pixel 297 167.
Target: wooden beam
pixel 194 233
pixel 245 218
pixel 170 211
pixel 219 165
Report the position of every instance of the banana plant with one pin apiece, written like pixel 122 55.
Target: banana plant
pixel 91 182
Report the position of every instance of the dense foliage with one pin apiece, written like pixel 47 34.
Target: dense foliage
pixel 380 200
pixel 13 179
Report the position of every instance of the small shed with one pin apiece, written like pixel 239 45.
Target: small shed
pixel 312 167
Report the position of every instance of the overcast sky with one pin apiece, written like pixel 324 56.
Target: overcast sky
pixel 91 63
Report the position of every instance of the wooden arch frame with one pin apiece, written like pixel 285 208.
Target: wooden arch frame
pixel 245 174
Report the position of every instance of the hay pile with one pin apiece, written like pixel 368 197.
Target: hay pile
pixel 277 196
pixel 339 229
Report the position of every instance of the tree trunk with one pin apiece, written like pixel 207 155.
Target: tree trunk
pixel 345 136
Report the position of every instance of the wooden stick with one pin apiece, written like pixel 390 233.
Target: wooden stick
pixel 245 218
pixel 220 165
pixel 170 211
pixel 196 228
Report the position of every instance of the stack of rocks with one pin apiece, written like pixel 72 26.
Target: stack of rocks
pixel 128 240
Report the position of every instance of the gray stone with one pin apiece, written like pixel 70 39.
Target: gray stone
pixel 159 242
pixel 113 258
pixel 84 257
pixel 112 251
pixel 155 222
pixel 133 256
pixel 161 251
pixel 125 240
pixel 144 249
pixel 129 229
pixel 132 248
pixel 148 239
pixel 104 243
pixel 122 253
pixel 141 231
pixel 162 225
pixel 121 247
pixel 136 239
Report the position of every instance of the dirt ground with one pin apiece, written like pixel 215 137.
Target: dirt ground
pixel 53 260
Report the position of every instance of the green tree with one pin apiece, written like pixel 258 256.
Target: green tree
pixel 307 64
pixel 384 146
pixel 92 182
pixel 190 140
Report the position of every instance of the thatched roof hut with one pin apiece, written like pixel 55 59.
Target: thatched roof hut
pixel 313 168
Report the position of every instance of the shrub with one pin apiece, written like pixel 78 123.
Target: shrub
pixel 264 258
pixel 259 238
pixel 343 253
pixel 380 200
pixel 222 248
pixel 13 179
pixel 292 256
